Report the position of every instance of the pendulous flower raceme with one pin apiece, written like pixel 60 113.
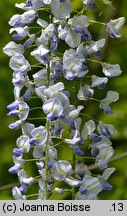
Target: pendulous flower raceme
pixel 50 57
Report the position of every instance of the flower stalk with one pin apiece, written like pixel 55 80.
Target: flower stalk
pixel 57 79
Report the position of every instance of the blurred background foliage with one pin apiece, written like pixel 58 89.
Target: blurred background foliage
pixel 115 51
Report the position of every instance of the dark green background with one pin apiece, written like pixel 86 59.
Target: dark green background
pixel 115 52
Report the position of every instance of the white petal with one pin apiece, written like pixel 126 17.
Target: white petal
pixel 61 9
pixel 111 70
pixel 73 39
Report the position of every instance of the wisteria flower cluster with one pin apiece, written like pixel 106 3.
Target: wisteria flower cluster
pixel 49 54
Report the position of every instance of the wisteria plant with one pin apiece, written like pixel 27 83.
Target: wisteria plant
pixel 50 52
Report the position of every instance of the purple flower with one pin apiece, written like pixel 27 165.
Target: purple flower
pixel 17 194
pixel 106 185
pixel 114 26
pixel 78 151
pixel 16 125
pixel 14 169
pixel 95 138
pixel 90 4
pixel 19 63
pixel 17 152
pixel 82 190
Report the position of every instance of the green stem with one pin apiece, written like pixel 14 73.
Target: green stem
pixel 46 161
pixel 37 177
pixel 44 9
pixel 9 186
pixel 91 158
pixel 35 97
pixel 35 146
pixel 82 11
pixel 32 195
pixel 35 66
pixel 93 60
pixel 35 27
pixel 119 156
pixel 39 118
pixel 88 116
pixel 65 190
pixel 34 159
pixel 87 77
pixel 74 157
pixel 58 53
pixel 47 142
pixel 97 22
pixel 95 99
pixel 53 137
pixel 58 143
pixel 73 188
pixel 35 108
pixel 38 32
